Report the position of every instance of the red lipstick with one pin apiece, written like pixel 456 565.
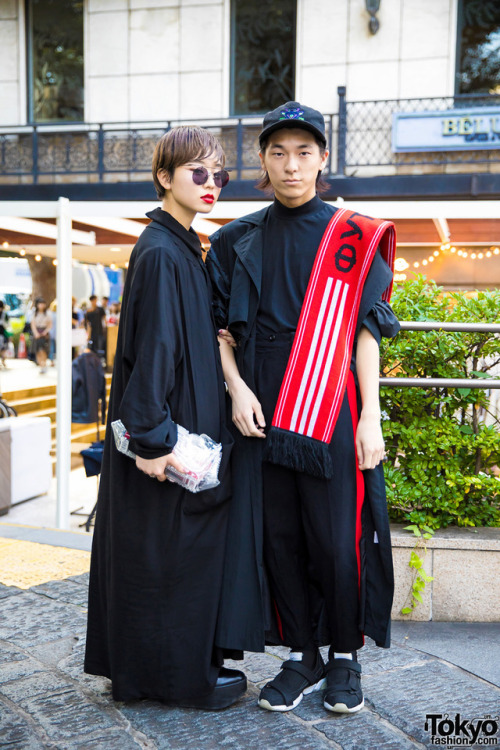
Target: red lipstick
pixel 207 198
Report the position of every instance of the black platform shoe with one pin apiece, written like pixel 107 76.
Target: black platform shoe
pixel 230 686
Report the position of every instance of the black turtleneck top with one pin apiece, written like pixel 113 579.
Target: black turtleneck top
pixel 291 241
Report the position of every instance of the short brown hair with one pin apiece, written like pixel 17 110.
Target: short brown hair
pixel 180 146
pixel 264 182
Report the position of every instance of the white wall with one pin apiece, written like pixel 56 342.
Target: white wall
pixel 154 59
pixel 169 59
pixel 412 54
pixel 11 65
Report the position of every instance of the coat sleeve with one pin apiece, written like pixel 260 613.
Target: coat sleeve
pixel 218 270
pixel 152 350
pixel 381 321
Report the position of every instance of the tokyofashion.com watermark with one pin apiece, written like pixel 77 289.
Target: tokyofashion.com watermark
pixel 447 730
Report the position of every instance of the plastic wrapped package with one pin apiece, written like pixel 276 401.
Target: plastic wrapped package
pixel 199 454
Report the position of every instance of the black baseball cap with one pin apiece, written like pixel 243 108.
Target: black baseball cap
pixel 294 115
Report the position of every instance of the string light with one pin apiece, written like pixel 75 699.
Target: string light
pixel 447 247
pixel 5 244
pixel 54 262
pixel 22 252
pixel 38 258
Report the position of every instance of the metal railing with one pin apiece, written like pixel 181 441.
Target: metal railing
pixel 365 133
pixel 484 383
pixel 358 136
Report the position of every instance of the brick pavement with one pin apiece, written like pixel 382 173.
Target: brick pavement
pixel 46 701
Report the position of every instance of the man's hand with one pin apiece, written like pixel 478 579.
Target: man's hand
pixel 155 467
pixel 369 441
pixel 247 410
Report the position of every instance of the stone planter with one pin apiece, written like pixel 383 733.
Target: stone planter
pixel 465 563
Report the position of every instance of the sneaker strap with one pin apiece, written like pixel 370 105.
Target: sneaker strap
pixel 333 664
pixel 297 666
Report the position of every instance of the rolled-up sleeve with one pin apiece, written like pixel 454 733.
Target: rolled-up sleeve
pixel 381 321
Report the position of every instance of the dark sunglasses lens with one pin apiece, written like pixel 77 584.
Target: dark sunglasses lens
pixel 221 178
pixel 200 176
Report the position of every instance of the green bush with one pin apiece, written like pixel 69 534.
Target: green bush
pixel 441 453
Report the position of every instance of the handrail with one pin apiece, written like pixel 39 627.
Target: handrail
pixel 433 325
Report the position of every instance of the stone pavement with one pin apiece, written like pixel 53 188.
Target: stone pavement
pixel 46 701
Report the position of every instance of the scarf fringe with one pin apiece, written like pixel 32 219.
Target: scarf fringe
pixel 298 452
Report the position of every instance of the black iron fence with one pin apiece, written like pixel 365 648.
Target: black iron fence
pixel 365 134
pixel 359 136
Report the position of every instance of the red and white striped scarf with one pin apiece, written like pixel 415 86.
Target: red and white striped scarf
pixel 316 375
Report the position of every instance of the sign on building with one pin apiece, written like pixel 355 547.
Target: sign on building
pixel 451 130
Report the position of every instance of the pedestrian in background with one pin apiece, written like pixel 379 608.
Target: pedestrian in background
pixel 41 324
pixel 95 322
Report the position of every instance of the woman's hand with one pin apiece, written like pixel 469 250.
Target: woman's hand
pixel 247 411
pixel 370 447
pixel 226 336
pixel 155 467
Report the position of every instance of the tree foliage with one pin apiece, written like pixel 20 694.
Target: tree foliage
pixel 443 444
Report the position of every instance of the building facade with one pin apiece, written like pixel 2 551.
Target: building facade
pixel 410 90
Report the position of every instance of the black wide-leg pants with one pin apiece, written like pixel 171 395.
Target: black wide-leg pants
pixel 312 526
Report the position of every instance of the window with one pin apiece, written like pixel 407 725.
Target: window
pixel 262 55
pixel 478 49
pixel 55 60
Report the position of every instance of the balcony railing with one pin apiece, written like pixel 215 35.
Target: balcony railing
pixel 358 135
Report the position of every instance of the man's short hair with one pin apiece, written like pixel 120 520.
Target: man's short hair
pixel 92 296
pixel 180 146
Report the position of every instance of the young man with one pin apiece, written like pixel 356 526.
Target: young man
pixel 95 323
pixel 299 286
pixel 158 549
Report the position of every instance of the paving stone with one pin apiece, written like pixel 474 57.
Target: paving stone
pixel 351 732
pixel 73 667
pixel 9 653
pixel 52 652
pixel 374 660
pixel 64 591
pixel 56 706
pixel 404 696
pixel 82 578
pixel 15 732
pixel 242 727
pixel 114 739
pixel 15 670
pixel 32 619
pixel 6 591
pixel 257 667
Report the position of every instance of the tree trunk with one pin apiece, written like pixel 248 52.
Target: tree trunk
pixel 43 277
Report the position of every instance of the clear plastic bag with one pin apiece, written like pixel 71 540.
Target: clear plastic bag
pixel 199 454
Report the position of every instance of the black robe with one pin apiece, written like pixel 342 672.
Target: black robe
pixel 247 619
pixel 158 549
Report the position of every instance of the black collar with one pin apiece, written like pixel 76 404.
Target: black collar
pixel 190 238
pixel 283 212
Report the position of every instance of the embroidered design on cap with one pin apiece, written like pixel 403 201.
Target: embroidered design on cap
pixel 292 113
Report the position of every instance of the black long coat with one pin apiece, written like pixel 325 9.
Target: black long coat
pixel 158 550
pixel 246 618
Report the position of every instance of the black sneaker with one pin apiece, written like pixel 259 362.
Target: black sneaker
pixel 291 684
pixel 343 692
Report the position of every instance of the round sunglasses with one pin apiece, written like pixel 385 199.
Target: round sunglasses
pixel 200 176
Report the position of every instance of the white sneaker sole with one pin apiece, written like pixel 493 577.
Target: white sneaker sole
pixel 263 703
pixel 341 708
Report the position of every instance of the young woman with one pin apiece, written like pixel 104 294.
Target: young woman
pixel 158 550
pixel 41 324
